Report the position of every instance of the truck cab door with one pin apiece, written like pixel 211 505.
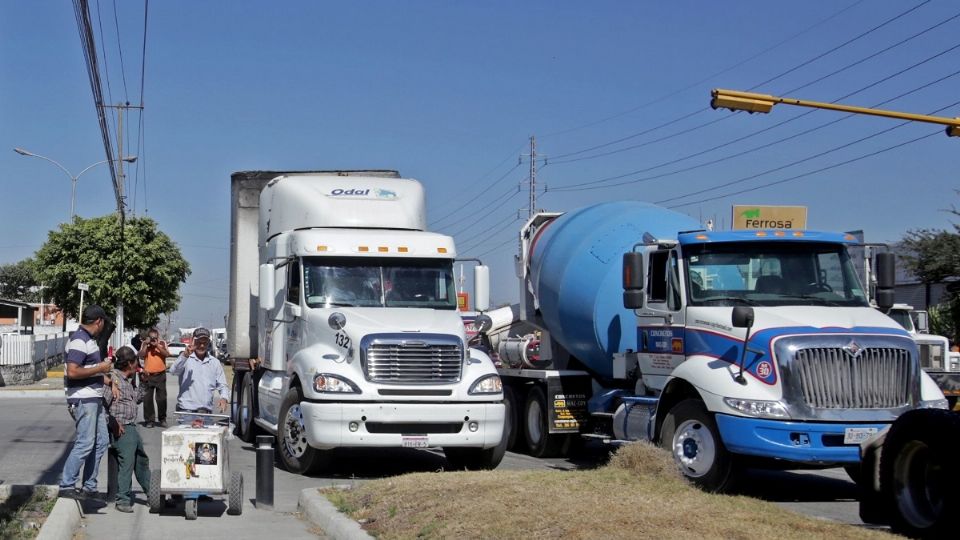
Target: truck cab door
pixel 292 325
pixel 660 324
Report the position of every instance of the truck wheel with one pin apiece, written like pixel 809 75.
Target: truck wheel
pixel 690 434
pixel 297 456
pixel 154 497
pixel 475 459
pixel 235 502
pixel 247 429
pixel 919 474
pixel 540 442
pixel 511 424
pixel 190 509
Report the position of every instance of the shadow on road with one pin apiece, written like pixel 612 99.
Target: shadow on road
pixel 793 486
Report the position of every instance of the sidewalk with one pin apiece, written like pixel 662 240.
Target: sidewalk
pixel 50 387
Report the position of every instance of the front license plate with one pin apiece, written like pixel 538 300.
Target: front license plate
pixel 411 441
pixel 856 435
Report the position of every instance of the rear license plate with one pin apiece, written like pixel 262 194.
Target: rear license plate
pixel 414 441
pixel 856 435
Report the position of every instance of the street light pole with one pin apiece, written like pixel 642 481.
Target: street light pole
pixel 73 179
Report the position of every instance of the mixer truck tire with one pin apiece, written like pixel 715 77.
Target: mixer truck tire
pixel 919 473
pixel 245 409
pixel 540 443
pixel 295 453
pixel 690 434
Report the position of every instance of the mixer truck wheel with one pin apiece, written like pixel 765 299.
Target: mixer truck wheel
pixel 690 434
pixel 540 442
pixel 297 455
pixel 919 473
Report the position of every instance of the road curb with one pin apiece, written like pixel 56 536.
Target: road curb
pixel 64 518
pixel 63 521
pixel 317 509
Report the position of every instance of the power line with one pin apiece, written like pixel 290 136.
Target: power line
pixel 488 233
pixel 596 184
pixel 471 200
pixel 123 71
pixel 709 77
pixel 500 199
pixel 693 113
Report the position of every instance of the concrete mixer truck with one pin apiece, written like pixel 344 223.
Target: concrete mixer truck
pixel 727 348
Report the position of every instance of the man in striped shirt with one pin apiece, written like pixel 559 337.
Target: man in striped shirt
pixel 85 376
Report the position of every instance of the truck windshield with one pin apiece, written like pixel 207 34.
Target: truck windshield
pixel 772 274
pixel 379 282
pixel 902 317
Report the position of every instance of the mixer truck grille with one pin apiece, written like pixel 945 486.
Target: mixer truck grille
pixel 841 378
pixel 412 361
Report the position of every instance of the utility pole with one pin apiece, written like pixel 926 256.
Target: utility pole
pixel 121 212
pixel 533 177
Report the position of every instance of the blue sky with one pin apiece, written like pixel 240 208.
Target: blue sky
pixel 450 92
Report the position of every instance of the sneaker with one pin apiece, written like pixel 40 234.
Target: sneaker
pixel 70 493
pixel 125 508
pixel 162 423
pixel 148 424
pixel 92 495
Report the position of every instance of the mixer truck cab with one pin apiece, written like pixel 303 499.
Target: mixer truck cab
pixel 727 348
pixel 359 340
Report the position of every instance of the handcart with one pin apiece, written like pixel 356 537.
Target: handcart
pixel 194 463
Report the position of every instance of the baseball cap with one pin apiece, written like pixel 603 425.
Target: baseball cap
pixel 201 333
pixel 93 312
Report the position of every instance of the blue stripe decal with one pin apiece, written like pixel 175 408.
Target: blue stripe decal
pixel 759 362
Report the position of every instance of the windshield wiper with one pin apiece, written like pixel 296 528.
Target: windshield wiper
pixel 811 297
pixel 733 299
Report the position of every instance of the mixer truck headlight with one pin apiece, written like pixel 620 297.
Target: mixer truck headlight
pixel 758 408
pixel 935 404
pixel 489 384
pixel 330 384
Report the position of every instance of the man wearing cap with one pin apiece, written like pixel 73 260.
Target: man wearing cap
pixel 85 376
pixel 200 374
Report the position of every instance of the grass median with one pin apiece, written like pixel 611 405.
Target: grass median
pixel 639 494
pixel 21 516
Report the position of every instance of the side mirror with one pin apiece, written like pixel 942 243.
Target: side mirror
pixel 742 317
pixel 923 322
pixel 633 280
pixel 886 270
pixel 267 286
pixel 885 298
pixel 481 287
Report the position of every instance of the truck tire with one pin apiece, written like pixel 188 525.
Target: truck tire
pixel 540 443
pixel 919 473
pixel 154 497
pixel 235 497
pixel 511 421
pixel 475 459
pixel 246 410
pixel 690 434
pixel 297 456
pixel 190 509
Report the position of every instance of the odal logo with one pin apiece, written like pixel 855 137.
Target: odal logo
pixel 385 194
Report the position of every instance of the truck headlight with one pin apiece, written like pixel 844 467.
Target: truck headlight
pixel 333 384
pixel 935 404
pixel 488 384
pixel 757 407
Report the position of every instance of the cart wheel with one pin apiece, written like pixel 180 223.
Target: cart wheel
pixel 154 496
pixel 190 508
pixel 235 507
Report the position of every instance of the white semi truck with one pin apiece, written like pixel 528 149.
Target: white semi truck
pixel 728 348
pixel 343 322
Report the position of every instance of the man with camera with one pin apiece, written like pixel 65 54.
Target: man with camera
pixel 153 351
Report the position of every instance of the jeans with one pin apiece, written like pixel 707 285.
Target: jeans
pixel 155 384
pixel 131 460
pixel 90 445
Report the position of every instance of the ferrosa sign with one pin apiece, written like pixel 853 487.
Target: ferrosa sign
pixel 769 217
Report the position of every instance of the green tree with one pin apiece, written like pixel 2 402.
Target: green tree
pixel 934 256
pixel 18 281
pixel 146 266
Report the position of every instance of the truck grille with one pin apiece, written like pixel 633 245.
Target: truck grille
pixel 413 361
pixel 832 378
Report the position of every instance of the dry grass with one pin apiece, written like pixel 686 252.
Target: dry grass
pixel 639 494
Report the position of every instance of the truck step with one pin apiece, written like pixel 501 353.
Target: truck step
pixel 604 438
pixel 602 414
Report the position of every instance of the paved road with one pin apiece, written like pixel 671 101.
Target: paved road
pixel 35 436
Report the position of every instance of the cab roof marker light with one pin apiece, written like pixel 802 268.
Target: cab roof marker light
pixel 383 249
pixel 797 233
pixel 441 250
pixel 779 233
pixel 402 249
pixel 702 237
pixel 321 248
pixel 363 249
pixel 849 237
pixel 761 233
